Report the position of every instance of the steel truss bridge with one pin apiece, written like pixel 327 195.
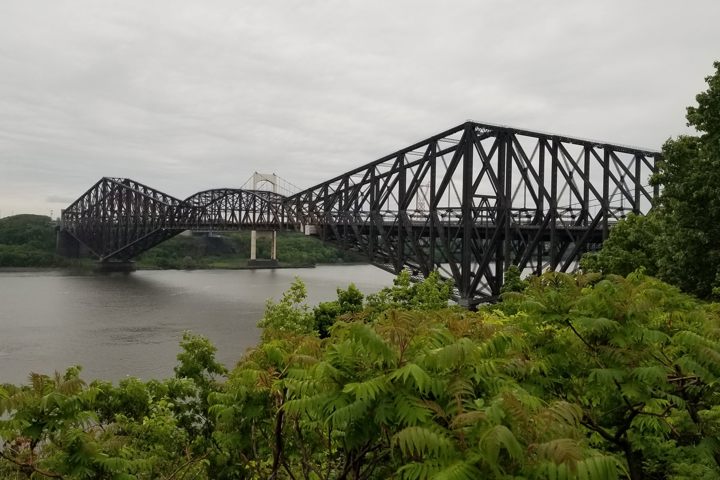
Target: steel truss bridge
pixel 469 202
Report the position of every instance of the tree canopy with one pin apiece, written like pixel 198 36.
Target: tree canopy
pixel 571 377
pixel 680 239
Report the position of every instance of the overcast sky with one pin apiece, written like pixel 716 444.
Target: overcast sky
pixel 185 96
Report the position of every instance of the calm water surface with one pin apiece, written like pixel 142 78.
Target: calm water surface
pixel 118 325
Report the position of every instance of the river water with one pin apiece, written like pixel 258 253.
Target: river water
pixel 130 324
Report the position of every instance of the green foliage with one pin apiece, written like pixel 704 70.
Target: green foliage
pixel 579 380
pixel 640 359
pixel 47 430
pixel 433 293
pixel 58 427
pixel 350 300
pixel 23 256
pixel 27 241
pixel 678 240
pixel 197 373
pixel 576 377
pixel 197 361
pixel 326 313
pixel 512 281
pixel 298 249
pixel 706 116
pixel 688 252
pixel 632 245
pixel 232 250
pixel 34 231
pixel 290 315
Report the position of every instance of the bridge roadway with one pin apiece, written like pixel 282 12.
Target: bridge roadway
pixel 468 202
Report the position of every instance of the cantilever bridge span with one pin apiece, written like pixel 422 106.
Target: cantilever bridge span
pixel 119 218
pixel 470 202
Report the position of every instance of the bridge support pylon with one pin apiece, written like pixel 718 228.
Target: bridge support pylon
pixel 263 262
pixel 272 179
pixel 253 245
pixel 273 249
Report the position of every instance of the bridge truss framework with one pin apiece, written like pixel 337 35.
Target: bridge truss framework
pixel 468 202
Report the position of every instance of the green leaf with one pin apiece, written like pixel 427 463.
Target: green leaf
pixel 560 450
pixel 420 378
pixel 369 389
pixel 422 441
pixel 497 438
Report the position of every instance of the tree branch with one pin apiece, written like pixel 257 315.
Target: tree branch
pixel 577 334
pixel 29 468
pixel 278 450
pixel 187 464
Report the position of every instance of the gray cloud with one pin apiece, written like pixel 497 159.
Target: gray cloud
pixel 186 95
pixel 59 200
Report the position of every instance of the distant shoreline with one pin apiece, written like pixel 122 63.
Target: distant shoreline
pixel 29 243
pixel 91 268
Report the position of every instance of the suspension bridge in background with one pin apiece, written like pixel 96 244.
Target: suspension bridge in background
pixel 468 202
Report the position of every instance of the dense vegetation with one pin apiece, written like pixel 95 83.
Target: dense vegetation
pixel 578 377
pixel 591 376
pixel 29 241
pixel 679 241
pixel 232 250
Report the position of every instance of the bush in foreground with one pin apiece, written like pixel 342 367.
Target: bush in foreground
pixel 574 377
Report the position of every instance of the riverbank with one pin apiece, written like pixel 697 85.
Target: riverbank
pixel 28 241
pixel 90 266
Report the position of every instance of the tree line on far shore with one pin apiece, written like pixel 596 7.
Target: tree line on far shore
pixel 29 241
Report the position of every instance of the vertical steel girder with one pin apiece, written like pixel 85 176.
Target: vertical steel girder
pixel 477 198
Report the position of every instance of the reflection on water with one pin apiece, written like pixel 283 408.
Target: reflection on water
pixel 120 324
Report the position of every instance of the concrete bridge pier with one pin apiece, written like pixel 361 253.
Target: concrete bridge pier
pixel 253 245
pixel 263 262
pixel 272 179
pixel 273 251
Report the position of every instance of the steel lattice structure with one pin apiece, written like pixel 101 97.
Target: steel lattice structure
pixel 468 202
pixel 119 218
pixel 474 199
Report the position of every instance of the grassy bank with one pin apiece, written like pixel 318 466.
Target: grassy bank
pixel 232 250
pixel 28 241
